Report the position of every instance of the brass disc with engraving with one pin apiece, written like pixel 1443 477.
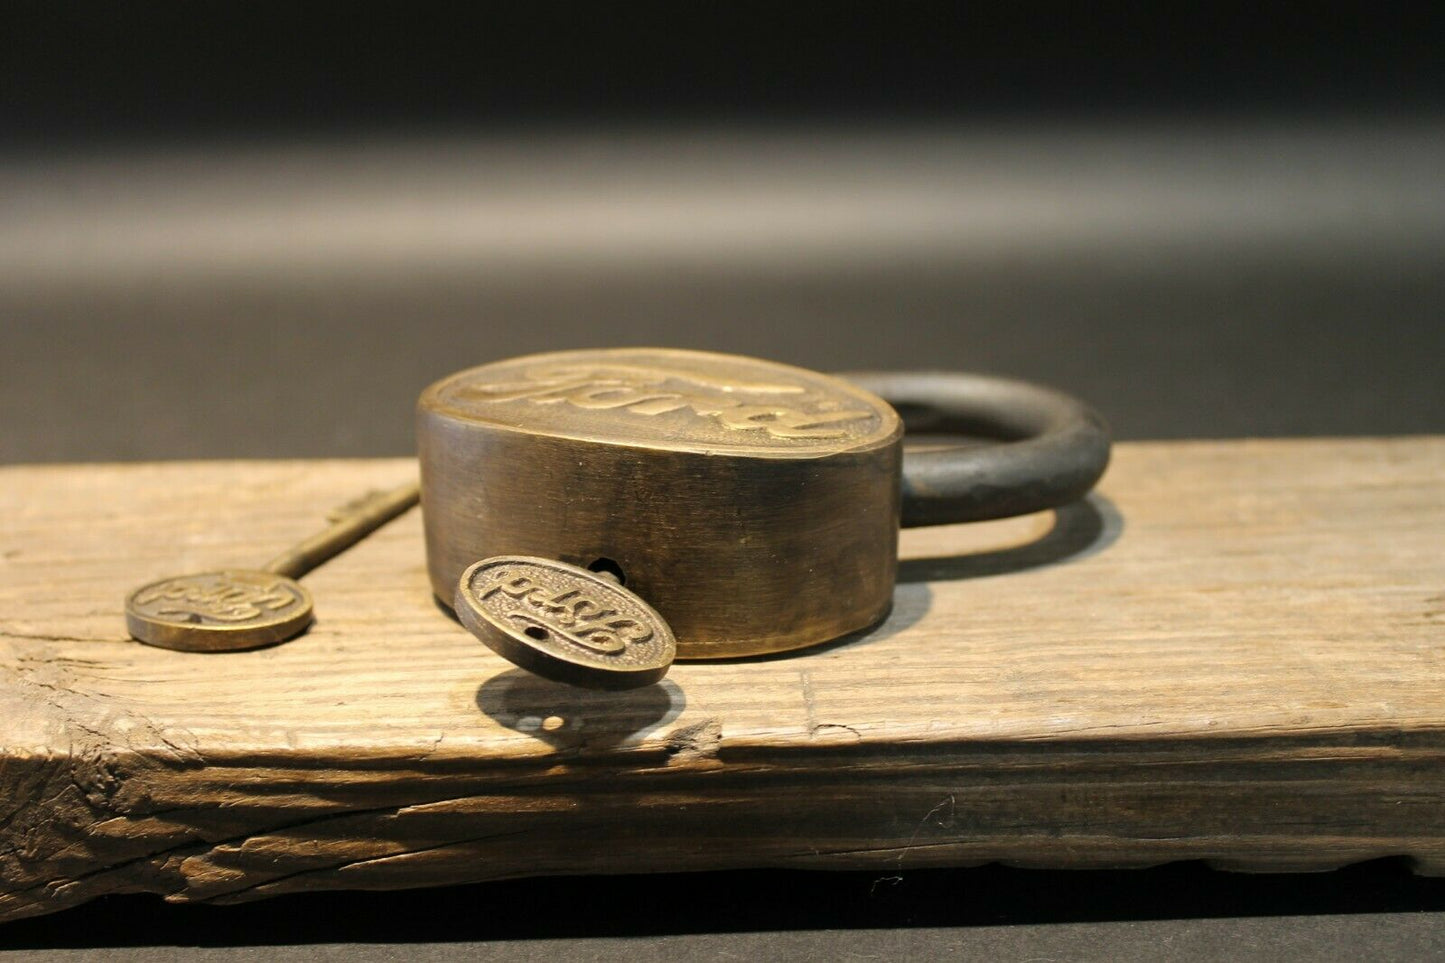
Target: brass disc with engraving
pixel 755 505
pixel 218 611
pixel 565 623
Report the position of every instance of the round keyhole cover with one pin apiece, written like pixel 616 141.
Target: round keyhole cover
pixel 564 622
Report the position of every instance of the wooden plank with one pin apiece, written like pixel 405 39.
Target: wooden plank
pixel 1233 652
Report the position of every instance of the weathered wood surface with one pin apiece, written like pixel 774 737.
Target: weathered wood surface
pixel 1233 653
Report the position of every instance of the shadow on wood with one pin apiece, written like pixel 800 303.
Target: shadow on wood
pixel 568 717
pixel 1085 528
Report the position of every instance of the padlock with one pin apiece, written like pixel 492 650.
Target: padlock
pixel 754 505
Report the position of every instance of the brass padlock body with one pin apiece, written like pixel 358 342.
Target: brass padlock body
pixel 754 505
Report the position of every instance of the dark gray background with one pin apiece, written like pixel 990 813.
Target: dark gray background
pixel 1228 277
pixel 233 231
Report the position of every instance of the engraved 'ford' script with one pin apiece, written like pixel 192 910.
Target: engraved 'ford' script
pixel 216 598
pixel 564 622
pixel 786 411
pixel 573 615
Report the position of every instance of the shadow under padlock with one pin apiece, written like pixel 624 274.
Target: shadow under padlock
pixel 1070 533
pixel 581 508
pixel 1083 528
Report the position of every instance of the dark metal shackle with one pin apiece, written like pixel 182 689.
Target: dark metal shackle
pixel 1052 450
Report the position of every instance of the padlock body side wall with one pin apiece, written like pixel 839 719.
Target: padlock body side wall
pixel 742 554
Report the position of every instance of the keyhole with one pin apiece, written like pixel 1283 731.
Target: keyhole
pixel 606 566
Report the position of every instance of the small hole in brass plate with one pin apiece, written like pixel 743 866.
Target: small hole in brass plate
pixel 536 632
pixel 606 566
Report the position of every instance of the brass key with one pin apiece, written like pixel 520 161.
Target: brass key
pixel 244 609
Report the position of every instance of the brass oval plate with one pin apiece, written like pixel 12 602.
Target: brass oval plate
pixel 669 399
pixel 564 622
pixel 218 611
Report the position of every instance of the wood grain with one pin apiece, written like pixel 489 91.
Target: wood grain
pixel 1232 653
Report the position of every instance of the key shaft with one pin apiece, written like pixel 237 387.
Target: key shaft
pixel 351 525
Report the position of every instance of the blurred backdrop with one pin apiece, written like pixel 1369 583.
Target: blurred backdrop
pixel 261 229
